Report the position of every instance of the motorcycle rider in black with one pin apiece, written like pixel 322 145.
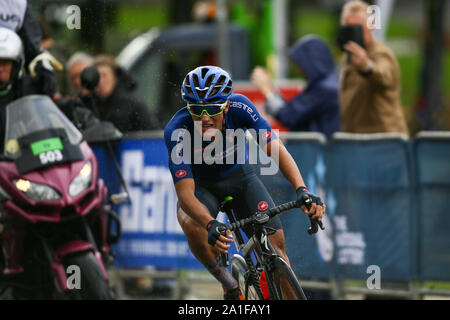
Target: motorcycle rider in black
pixel 17 16
pixel 14 85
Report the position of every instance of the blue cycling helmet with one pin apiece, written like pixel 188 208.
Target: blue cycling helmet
pixel 207 84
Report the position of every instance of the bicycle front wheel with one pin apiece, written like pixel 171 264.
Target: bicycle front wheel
pixel 282 282
pixel 241 272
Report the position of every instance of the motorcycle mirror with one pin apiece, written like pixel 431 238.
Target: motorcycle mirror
pixel 102 131
pixel 90 78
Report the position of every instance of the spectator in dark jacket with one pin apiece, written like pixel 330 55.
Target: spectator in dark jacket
pixel 117 103
pixel 316 108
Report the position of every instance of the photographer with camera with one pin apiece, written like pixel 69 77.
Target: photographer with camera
pixel 369 90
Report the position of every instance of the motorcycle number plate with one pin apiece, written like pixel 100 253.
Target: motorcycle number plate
pixel 48 150
pixel 51 156
pixel 46 145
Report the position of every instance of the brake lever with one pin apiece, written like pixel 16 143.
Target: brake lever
pixel 315 224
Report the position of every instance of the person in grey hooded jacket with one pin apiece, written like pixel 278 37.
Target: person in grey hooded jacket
pixel 316 108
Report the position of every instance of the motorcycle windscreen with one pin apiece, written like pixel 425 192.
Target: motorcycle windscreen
pixel 46 148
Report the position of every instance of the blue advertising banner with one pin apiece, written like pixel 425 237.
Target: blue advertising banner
pixel 106 169
pixel 310 255
pixel 151 234
pixel 432 157
pixel 369 200
pixel 386 207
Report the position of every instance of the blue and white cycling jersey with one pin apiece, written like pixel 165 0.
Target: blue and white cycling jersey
pixel 191 157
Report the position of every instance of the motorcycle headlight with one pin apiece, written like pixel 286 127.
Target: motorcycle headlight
pixel 82 181
pixel 36 191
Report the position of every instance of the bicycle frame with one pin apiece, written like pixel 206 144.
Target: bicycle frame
pixel 264 252
pixel 265 255
pixel 259 243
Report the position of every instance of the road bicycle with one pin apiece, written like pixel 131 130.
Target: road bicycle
pixel 267 268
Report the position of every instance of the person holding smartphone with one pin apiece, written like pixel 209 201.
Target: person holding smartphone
pixel 369 93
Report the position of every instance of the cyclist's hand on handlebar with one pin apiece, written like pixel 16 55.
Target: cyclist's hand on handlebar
pixel 215 237
pixel 315 208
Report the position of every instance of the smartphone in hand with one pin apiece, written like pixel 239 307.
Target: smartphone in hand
pixel 350 33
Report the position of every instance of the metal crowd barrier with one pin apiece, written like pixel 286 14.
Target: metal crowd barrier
pixel 387 201
pixel 432 159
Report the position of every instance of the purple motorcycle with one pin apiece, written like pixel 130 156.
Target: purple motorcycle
pixel 55 211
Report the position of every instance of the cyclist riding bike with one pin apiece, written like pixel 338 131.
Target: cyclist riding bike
pixel 205 172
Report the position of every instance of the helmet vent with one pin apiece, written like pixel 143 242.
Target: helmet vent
pixel 208 81
pixel 228 88
pixel 221 80
pixel 189 90
pixel 188 87
pixel 201 93
pixel 195 81
pixel 215 90
pixel 204 72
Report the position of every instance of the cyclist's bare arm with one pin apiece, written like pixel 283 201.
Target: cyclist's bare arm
pixel 190 204
pixel 196 210
pixel 291 171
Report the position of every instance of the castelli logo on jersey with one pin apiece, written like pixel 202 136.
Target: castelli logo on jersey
pixel 262 205
pixel 180 173
pixel 267 135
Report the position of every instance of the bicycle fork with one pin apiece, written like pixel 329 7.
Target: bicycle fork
pixel 266 255
pixel 260 244
pixel 253 276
